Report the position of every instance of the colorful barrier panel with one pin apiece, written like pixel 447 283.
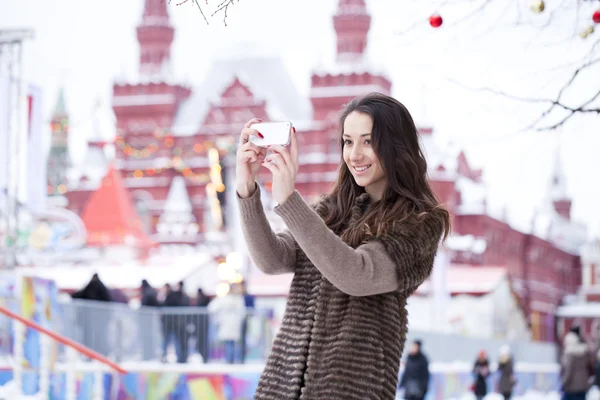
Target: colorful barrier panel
pixel 241 385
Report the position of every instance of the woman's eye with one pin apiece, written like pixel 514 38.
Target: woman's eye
pixel 347 142
pixel 368 141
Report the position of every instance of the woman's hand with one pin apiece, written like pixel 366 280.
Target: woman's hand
pixel 248 160
pixel 283 164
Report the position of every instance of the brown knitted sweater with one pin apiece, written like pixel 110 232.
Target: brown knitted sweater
pixel 345 323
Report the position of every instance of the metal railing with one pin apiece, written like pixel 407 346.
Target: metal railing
pixel 19 326
pixel 167 334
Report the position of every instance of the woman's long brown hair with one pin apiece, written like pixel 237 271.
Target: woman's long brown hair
pixel 408 196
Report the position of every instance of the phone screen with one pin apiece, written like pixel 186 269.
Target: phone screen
pixel 273 132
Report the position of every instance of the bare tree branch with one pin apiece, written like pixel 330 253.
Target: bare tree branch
pixel 201 12
pixel 222 7
pixel 553 104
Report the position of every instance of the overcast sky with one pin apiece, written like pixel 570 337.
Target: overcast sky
pixel 85 46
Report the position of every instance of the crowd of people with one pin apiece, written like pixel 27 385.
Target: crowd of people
pixel 580 370
pixel 178 324
pixel 416 377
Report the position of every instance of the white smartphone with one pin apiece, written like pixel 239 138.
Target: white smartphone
pixel 273 133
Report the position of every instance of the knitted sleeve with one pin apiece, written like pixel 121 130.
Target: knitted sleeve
pixel 273 253
pixel 400 260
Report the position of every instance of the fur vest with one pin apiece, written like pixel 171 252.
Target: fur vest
pixel 335 346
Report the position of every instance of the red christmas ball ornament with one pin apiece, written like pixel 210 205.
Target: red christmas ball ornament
pixel 596 16
pixel 436 20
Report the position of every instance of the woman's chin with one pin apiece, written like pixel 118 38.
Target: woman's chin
pixel 359 183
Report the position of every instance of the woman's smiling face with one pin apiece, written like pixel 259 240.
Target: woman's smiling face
pixel 360 156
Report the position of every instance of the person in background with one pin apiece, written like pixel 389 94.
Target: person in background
pixel 506 369
pixel 94 290
pixel 148 320
pixel 148 295
pixel 481 370
pixel 415 379
pixel 201 324
pixel 576 329
pixel 597 371
pixel 182 322
pixel 229 314
pixel 250 307
pixel 94 318
pixel 168 319
pixel 576 369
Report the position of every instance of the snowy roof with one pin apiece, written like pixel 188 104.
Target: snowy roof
pixel 123 276
pixel 328 66
pixel 178 200
pixel 460 279
pixel 267 79
pixel 438 154
pixel 549 225
pixel 590 253
pixel 473 195
pixel 466 279
pixel 177 219
pixel 579 310
pixel 95 164
pixel 466 243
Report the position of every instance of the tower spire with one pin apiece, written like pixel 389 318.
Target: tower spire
pixel 351 23
pixel 59 161
pixel 558 189
pixel 155 36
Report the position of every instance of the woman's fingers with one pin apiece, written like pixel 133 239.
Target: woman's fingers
pixel 250 147
pixel 277 160
pixel 282 152
pixel 252 121
pixel 271 166
pixel 247 132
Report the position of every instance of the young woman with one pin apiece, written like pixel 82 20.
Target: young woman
pixel 356 256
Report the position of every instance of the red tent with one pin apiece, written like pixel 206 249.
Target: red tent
pixel 110 217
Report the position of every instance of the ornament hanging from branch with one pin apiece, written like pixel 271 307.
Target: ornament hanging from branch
pixel 538 6
pixel 596 16
pixel 587 32
pixel 436 20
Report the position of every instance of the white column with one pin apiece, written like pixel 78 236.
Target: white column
pixel 233 217
pixel 439 290
pixel 18 356
pixel 45 343
pixel 586 280
pixel 98 382
pixel 71 376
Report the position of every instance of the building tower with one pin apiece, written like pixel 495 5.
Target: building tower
pixel 144 111
pixel 59 161
pixel 330 91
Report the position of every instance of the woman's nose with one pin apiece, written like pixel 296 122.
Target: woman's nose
pixel 356 154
